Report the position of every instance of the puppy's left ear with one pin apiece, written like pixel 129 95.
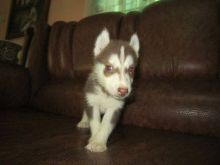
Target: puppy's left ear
pixel 134 43
pixel 101 42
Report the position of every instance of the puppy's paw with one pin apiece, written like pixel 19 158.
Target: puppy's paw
pixel 83 125
pixel 96 147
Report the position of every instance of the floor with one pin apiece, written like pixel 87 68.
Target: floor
pixel 31 137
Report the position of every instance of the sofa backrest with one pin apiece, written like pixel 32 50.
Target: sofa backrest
pixel 179 40
pixel 60 57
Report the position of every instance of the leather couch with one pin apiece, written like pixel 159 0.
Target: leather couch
pixel 172 117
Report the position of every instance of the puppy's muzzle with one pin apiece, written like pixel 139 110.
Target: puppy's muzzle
pixel 122 91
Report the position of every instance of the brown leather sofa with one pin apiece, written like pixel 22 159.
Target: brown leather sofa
pixel 173 116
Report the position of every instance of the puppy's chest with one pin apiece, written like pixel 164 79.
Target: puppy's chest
pixel 103 101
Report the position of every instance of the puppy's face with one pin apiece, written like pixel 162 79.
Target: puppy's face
pixel 115 63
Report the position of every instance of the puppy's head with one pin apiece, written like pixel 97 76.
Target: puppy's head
pixel 115 63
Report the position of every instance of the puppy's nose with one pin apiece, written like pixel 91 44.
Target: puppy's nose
pixel 122 91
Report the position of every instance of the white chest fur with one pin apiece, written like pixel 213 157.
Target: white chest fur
pixel 103 101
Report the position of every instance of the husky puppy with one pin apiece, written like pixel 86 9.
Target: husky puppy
pixel 109 83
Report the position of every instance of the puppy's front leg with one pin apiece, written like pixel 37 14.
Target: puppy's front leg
pixel 98 142
pixel 94 122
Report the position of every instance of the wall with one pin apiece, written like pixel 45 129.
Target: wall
pixel 67 10
pixel 4 15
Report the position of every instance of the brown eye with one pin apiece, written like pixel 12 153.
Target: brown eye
pixel 131 70
pixel 108 68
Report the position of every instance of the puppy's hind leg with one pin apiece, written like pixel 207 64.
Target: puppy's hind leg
pixel 84 122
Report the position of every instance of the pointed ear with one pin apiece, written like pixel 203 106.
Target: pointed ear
pixel 134 42
pixel 101 42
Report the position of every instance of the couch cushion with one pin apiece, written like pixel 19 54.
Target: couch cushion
pixel 186 106
pixel 29 137
pixel 60 57
pixel 128 25
pixel 14 86
pixel 63 97
pixel 180 39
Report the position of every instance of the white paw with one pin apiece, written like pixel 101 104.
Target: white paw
pixel 83 125
pixel 96 147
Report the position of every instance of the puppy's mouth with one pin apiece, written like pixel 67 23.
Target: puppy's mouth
pixel 120 97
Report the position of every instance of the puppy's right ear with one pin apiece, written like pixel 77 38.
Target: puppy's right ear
pixel 101 42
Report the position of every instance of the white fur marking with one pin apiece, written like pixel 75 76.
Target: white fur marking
pixel 102 41
pixel 128 61
pixel 122 54
pixel 134 43
pixel 113 60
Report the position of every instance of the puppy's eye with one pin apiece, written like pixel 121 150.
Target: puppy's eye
pixel 131 70
pixel 108 68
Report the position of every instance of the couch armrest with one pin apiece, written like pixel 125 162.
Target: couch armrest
pixel 37 57
pixel 14 86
